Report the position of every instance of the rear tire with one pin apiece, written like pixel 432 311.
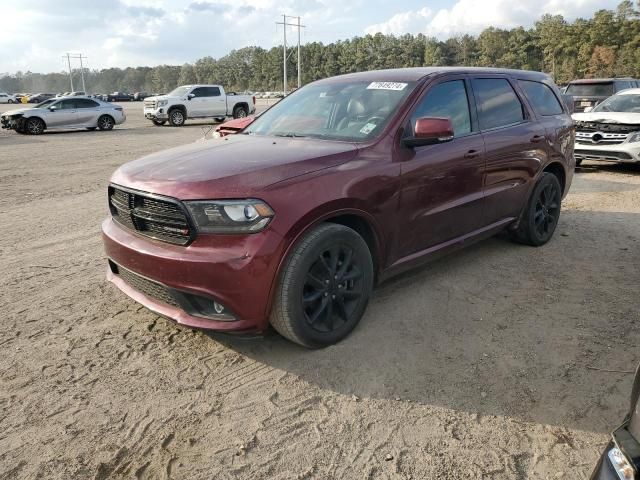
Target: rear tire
pixel 324 287
pixel 176 117
pixel 34 126
pixel 540 218
pixel 158 123
pixel 240 112
pixel 106 122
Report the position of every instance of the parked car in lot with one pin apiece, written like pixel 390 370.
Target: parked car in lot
pixel 348 181
pixel 40 97
pixel 611 131
pixel 621 458
pixel 7 98
pixel 140 96
pixel 63 113
pixel 587 93
pixel 197 101
pixel 119 97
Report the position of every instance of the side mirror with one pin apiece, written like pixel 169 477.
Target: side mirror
pixel 588 109
pixel 191 95
pixel 429 131
pixel 53 108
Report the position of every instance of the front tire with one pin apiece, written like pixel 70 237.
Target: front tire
pixel 106 122
pixel 324 287
pixel 540 218
pixel 176 118
pixel 10 101
pixel 34 126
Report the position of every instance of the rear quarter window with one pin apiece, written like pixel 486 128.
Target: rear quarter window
pixel 541 97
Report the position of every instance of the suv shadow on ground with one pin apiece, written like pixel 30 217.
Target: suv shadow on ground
pixel 496 329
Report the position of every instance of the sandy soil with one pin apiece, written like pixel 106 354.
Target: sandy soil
pixel 487 364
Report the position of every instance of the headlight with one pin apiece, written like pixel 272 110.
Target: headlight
pixel 162 103
pixel 634 137
pixel 230 216
pixel 621 465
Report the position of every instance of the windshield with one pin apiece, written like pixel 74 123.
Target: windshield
pixel 620 103
pixel 590 89
pixel 179 92
pixel 45 103
pixel 350 111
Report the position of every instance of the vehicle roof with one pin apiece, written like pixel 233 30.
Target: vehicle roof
pixel 629 91
pixel 600 80
pixel 417 73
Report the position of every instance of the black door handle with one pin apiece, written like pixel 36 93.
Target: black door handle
pixel 472 154
pixel 537 138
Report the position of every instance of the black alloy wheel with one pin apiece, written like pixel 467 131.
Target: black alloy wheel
pixel 332 289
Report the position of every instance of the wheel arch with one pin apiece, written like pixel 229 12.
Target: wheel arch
pixel 357 219
pixel 244 105
pixel 179 107
pixel 557 169
pixel 26 119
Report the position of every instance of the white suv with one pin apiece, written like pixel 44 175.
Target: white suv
pixel 610 131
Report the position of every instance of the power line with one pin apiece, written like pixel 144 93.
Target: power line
pixel 284 52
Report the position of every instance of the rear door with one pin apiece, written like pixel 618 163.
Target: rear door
pixel 441 197
pixel 64 114
pixel 87 112
pixel 207 102
pixel 515 146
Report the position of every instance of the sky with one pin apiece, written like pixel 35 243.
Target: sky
pixel 122 33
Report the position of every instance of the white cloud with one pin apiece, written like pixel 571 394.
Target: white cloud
pixel 472 16
pixel 405 22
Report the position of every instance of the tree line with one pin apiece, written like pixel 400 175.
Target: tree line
pixel 606 45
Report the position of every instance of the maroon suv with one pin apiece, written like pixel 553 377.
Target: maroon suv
pixel 342 184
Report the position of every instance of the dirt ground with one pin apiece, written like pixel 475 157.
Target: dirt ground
pixel 490 363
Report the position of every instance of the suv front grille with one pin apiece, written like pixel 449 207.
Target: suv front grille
pixel 151 289
pixel 599 138
pixel 159 218
pixel 150 104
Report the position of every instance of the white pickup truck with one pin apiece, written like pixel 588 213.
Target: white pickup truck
pixel 197 101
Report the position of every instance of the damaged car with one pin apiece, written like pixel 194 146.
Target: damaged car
pixel 63 113
pixel 611 131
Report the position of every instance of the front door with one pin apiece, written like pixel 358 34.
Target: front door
pixel 63 114
pixel 442 192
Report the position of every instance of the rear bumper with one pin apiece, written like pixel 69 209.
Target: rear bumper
pixel 236 271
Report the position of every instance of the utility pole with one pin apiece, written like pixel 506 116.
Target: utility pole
pixel 70 74
pixel 284 53
pixel 76 56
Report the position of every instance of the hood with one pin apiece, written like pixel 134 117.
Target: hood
pixel 608 117
pixel 18 111
pixel 236 166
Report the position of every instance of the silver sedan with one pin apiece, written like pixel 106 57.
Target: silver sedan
pixel 64 113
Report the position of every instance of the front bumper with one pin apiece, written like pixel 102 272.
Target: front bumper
pixel 156 114
pixel 238 271
pixel 623 152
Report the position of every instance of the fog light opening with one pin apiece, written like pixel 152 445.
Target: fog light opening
pixel 219 309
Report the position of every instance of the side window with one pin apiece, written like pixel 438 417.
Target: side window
pixel 85 103
pixel 623 86
pixel 498 104
pixel 66 105
pixel 542 98
pixel 446 100
pixel 213 91
pixel 199 92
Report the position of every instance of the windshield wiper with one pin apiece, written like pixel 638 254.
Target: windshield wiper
pixel 290 135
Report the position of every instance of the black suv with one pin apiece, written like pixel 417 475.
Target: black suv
pixel 590 92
